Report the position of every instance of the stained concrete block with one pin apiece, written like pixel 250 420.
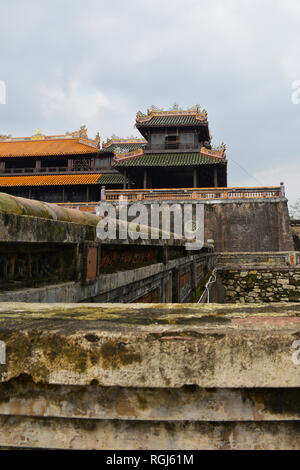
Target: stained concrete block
pixel 144 376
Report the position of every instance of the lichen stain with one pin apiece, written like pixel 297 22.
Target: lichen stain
pixel 124 407
pixel 114 357
pixel 275 400
pixel 36 354
pixel 142 401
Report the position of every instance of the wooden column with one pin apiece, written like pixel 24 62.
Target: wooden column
pixel 2 166
pixel 70 164
pixel 63 194
pixel 125 179
pixel 145 178
pixel 38 165
pixel 87 194
pixel 215 177
pixel 195 183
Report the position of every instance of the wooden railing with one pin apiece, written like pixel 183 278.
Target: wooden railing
pixel 80 206
pixel 197 194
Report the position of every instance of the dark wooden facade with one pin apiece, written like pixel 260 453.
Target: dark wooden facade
pixel 178 153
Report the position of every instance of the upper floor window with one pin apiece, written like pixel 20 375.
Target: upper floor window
pixel 172 142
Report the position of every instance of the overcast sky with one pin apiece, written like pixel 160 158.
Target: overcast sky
pixel 97 62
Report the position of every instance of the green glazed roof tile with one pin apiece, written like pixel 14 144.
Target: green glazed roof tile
pixel 111 178
pixel 169 159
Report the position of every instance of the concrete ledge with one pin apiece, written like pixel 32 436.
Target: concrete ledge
pixel 29 207
pixel 144 376
pixel 146 345
pixel 23 397
pixel 257 260
pixel 54 433
pixel 28 229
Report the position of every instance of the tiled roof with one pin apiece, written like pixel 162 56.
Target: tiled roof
pixel 123 145
pixel 111 178
pixel 123 148
pixel 33 148
pixel 169 159
pixel 172 117
pixel 48 180
pixel 162 121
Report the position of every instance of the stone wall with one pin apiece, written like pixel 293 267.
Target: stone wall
pixel 249 226
pixel 48 260
pixel 175 280
pixel 261 285
pixel 237 226
pixel 257 277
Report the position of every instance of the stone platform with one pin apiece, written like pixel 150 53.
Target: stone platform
pixel 144 376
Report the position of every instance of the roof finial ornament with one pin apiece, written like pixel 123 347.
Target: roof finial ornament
pixel 97 139
pixel 4 137
pixel 196 108
pixel 175 110
pixel 83 131
pixel 38 136
pixel 175 107
pixel 220 149
pixel 153 108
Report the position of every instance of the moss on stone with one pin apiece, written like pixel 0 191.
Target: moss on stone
pixel 201 287
pixel 142 401
pixel 114 356
pixel 275 400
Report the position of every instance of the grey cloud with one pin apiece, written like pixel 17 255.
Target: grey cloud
pixel 237 59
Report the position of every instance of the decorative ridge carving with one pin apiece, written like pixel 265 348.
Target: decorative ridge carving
pixel 125 156
pixel 114 140
pixel 196 111
pixel 216 152
pixel 81 135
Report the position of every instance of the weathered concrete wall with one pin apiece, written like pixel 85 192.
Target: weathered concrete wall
pixel 258 260
pixel 50 255
pixel 29 207
pixel 175 280
pixel 249 226
pixel 88 376
pixel 31 265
